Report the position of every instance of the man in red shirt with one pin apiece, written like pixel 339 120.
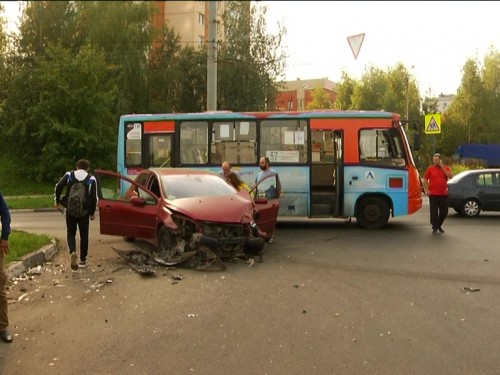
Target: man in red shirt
pixel 436 187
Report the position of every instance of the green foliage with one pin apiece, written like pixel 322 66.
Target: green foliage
pixel 381 90
pixel 22 243
pixel 250 62
pixel 123 31
pixel 65 115
pixel 13 183
pixel 321 100
pixel 76 66
pixel 474 115
pixel 176 76
pixel 345 91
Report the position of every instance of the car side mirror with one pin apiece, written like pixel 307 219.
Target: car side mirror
pixel 137 201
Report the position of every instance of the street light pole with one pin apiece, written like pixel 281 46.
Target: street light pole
pixel 408 97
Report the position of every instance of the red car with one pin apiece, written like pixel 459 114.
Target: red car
pixel 183 210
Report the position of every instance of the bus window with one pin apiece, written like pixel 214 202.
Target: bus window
pixel 133 143
pixel 381 147
pixel 194 142
pixel 160 150
pixel 284 141
pixel 235 142
pixel 323 151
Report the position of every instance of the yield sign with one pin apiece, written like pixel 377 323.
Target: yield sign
pixel 355 41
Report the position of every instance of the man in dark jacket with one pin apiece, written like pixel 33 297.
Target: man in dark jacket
pixel 72 222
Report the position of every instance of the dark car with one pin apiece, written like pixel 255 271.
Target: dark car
pixel 473 191
pixel 183 211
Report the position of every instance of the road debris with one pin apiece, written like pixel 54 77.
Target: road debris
pixel 469 289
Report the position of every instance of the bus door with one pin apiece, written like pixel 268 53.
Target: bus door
pixel 326 177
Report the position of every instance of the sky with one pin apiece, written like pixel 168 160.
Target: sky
pixel 432 39
pixel 436 38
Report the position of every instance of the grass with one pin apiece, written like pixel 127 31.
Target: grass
pixel 22 243
pixel 30 202
pixel 20 193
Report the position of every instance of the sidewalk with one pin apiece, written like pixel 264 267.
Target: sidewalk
pixel 45 254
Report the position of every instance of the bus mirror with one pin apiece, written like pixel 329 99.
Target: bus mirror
pixel 416 142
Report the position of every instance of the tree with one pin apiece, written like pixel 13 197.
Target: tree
pixel 381 90
pixel 123 30
pixel 473 117
pixel 60 112
pixel 345 91
pixel 250 62
pixel 321 100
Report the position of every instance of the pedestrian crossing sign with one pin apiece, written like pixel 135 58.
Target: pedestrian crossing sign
pixel 433 123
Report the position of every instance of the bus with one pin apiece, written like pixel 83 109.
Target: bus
pixel 331 164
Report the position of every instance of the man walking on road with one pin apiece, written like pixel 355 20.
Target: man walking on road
pixel 89 203
pixel 4 250
pixel 435 184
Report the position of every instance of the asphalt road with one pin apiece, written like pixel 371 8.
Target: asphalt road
pixel 329 298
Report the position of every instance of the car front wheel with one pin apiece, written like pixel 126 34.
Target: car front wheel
pixel 166 246
pixel 471 208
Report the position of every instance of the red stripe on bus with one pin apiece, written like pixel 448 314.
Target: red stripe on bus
pixel 350 123
pixel 159 127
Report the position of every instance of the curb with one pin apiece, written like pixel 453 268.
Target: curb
pixel 46 253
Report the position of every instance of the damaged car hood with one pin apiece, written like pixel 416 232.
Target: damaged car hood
pixel 229 209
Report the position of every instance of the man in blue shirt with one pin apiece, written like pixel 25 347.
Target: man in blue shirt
pixel 265 171
pixel 4 249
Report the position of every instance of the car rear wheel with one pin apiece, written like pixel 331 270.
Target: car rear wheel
pixel 471 208
pixel 372 212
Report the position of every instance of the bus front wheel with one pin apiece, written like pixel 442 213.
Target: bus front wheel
pixel 372 213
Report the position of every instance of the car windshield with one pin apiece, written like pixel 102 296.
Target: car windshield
pixel 195 185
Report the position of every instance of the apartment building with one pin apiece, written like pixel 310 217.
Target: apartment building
pixel 443 102
pixel 188 18
pixel 295 95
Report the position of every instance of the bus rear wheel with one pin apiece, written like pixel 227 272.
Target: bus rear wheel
pixel 372 212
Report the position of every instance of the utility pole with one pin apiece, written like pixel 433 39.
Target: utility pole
pixel 212 57
pixel 408 96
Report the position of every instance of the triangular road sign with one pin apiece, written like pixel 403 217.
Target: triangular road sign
pixel 355 41
pixel 433 123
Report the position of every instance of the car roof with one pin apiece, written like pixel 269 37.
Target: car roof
pixel 474 171
pixel 485 170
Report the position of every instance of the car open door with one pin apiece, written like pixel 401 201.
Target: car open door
pixel 122 213
pixel 266 196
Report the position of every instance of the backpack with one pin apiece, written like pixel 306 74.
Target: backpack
pixel 77 197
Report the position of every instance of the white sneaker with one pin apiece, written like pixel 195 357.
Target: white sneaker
pixel 82 264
